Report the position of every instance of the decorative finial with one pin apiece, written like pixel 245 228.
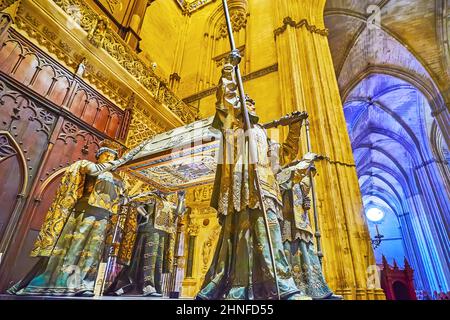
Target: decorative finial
pixel 407 265
pixel 385 263
pixel 12 9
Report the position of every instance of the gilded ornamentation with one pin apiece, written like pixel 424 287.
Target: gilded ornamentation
pixel 6 3
pixel 193 229
pixel 143 126
pixel 107 39
pixel 63 52
pixel 101 76
pixel 64 46
pixel 186 112
pixel 103 37
pixel 189 6
pixel 203 193
pixel 44 41
pixel 32 20
pixel 49 34
pixel 74 13
pixel 208 246
pixel 302 23
pixel 113 4
pixel 98 33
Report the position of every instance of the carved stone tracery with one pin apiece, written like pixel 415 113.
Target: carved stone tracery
pixel 192 5
pixel 238 21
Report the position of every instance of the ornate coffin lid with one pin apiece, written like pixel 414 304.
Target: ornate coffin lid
pixel 180 158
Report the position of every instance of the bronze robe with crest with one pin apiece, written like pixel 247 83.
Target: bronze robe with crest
pixel 75 231
pixel 242 267
pixel 153 252
pixel 297 234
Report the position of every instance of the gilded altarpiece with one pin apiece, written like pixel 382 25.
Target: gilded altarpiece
pixel 202 233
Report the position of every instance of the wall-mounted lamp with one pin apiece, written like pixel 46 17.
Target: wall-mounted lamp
pixel 376 215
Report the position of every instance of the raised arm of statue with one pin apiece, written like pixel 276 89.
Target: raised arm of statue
pixel 289 149
pixel 95 169
pixel 281 155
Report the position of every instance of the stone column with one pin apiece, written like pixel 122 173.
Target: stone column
pixel 308 82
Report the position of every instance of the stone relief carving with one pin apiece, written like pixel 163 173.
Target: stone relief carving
pixel 208 247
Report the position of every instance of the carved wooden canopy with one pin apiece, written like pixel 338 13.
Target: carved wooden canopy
pixel 180 158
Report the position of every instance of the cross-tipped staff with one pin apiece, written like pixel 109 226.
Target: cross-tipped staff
pixel 313 197
pixel 248 126
pixel 179 212
pixel 112 248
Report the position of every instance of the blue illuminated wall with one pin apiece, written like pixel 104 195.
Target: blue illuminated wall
pixel 394 140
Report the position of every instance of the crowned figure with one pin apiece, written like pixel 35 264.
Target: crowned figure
pixel 71 242
pixel 242 266
pixel 153 252
pixel 295 181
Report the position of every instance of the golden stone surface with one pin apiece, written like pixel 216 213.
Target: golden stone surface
pixel 287 66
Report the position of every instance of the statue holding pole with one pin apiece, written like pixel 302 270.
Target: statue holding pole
pixel 73 237
pixel 249 261
pixel 296 184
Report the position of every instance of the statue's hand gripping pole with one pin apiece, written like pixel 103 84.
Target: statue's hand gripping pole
pixel 235 60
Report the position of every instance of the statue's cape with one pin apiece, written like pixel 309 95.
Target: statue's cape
pixel 67 195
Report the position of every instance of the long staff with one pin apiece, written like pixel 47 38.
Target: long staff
pixel 314 200
pixel 248 126
pixel 124 210
pixel 174 294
